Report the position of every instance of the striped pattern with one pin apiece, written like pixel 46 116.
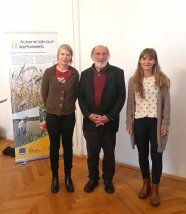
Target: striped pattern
pixel 25 189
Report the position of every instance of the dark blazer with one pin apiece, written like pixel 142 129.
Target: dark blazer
pixel 112 101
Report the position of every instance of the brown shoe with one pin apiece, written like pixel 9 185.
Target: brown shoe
pixel 145 190
pixel 155 199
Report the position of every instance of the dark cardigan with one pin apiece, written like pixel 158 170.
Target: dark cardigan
pixel 59 99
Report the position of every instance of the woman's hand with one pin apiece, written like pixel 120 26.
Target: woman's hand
pixel 129 131
pixel 164 132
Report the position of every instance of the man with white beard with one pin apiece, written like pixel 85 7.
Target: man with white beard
pixel 101 98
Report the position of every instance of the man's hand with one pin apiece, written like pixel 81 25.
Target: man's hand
pixel 101 120
pixel 98 119
pixel 94 117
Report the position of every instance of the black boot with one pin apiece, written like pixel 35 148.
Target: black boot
pixel 54 185
pixel 109 187
pixel 69 184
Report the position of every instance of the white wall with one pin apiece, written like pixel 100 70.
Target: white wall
pixel 126 27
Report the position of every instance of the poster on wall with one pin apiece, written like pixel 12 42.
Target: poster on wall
pixel 29 54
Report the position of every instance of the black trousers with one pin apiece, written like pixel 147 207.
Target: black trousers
pixel 95 140
pixel 60 126
pixel 145 131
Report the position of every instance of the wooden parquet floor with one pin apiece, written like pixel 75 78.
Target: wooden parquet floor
pixel 25 189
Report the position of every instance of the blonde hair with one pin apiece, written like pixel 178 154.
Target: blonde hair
pixel 66 47
pixel 160 78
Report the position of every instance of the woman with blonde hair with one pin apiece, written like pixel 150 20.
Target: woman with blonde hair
pixel 148 119
pixel 59 92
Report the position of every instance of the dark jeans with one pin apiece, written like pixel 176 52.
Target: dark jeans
pixel 96 140
pixel 60 126
pixel 145 131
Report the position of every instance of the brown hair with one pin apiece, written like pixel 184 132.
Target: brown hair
pixel 160 78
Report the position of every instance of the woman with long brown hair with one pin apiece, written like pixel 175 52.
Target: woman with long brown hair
pixel 148 119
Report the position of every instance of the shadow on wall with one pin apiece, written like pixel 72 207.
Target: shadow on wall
pixel 176 147
pixel 2 133
pixel 2 130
